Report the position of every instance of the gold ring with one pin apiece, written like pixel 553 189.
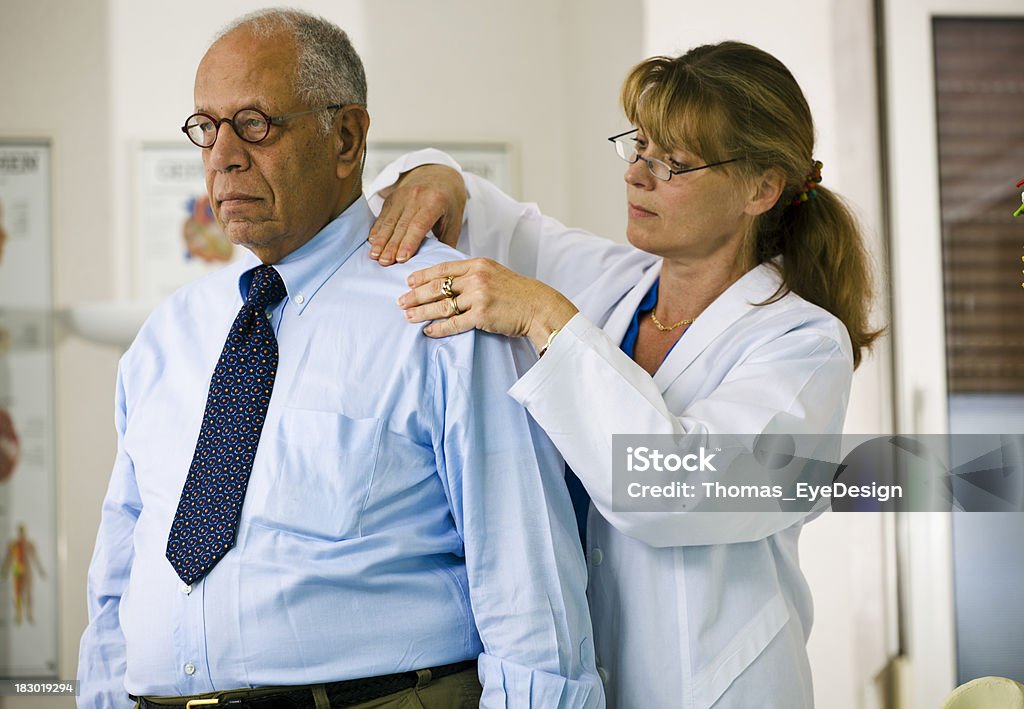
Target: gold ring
pixel 453 304
pixel 446 287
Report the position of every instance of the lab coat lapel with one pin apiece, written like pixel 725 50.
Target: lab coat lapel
pixel 617 323
pixel 755 286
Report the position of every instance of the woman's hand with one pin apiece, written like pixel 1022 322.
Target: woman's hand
pixel 427 197
pixel 483 294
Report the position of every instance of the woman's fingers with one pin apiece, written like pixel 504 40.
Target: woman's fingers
pixel 445 317
pixel 402 226
pixel 433 281
pixel 383 227
pixel 457 296
pixel 438 272
pixel 450 326
pixel 427 197
pixel 440 309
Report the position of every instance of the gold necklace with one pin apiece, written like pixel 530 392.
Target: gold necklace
pixel 668 328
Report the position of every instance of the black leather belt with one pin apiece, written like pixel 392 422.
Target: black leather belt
pixel 340 694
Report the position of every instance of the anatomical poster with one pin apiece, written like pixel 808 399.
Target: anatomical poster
pixel 176 236
pixel 28 509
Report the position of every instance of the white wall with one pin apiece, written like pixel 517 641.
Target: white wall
pixel 55 85
pixel 601 41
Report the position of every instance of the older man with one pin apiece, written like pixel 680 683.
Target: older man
pixel 400 522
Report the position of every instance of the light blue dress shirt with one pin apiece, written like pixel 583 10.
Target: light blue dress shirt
pixel 403 511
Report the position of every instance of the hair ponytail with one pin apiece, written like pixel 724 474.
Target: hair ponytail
pixel 824 261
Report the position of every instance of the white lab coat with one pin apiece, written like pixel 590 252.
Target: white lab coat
pixel 690 610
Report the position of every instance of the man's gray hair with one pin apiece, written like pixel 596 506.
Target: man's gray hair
pixel 329 70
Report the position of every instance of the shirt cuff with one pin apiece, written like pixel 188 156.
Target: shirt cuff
pixel 578 331
pixel 394 169
pixel 510 686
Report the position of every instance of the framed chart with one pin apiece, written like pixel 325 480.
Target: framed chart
pixel 176 237
pixel 28 509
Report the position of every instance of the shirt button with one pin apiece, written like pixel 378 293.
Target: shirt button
pixel 300 299
pixel 596 556
pixel 603 674
pixel 186 589
pixel 270 315
pixel 190 669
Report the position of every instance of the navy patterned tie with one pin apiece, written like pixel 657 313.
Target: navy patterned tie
pixel 204 526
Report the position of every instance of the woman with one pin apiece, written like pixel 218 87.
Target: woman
pixel 740 307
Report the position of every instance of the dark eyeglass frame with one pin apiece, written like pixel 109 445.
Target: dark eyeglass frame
pixel 268 119
pixel 651 162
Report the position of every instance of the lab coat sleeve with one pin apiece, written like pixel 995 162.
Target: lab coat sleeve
pixel 527 577
pixel 516 234
pixel 585 389
pixel 101 659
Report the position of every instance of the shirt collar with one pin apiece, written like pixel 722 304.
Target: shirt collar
pixel 307 268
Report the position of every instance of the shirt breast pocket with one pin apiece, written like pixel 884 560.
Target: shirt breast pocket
pixel 322 468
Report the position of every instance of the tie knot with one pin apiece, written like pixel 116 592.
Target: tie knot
pixel 267 288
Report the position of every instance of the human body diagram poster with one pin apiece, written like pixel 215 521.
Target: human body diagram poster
pixel 178 239
pixel 28 529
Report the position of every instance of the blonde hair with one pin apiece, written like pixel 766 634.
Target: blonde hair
pixel 727 100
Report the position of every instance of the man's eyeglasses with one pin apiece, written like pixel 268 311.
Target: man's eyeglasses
pixel 250 124
pixel 625 148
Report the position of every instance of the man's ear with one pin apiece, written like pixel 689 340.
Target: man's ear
pixel 351 126
pixel 766 190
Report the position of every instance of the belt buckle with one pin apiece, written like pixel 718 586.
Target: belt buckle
pixel 202 702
